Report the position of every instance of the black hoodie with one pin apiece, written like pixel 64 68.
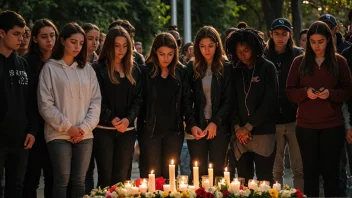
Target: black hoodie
pixel 17 93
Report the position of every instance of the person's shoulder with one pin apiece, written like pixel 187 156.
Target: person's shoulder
pixel 340 59
pixel 297 51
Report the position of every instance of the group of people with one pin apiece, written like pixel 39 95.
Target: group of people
pixel 64 106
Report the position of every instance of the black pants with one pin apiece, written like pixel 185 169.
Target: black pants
pixel 113 154
pixel 38 159
pixel 156 153
pixel 14 159
pixel 215 150
pixel 321 152
pixel 263 166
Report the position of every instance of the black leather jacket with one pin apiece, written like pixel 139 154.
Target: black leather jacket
pixel 221 94
pixel 134 96
pixel 147 119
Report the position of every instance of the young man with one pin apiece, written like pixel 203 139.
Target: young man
pixel 16 129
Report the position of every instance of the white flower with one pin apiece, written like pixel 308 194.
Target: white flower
pixel 175 194
pixel 264 188
pixel 218 194
pixel 245 193
pixel 293 191
pixel 148 194
pixel 259 193
pixel 114 195
pixel 191 193
pixel 211 189
pixel 285 193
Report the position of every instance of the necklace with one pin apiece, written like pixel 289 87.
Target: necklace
pixel 249 89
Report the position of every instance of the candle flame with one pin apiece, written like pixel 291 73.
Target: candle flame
pixel 252 182
pixel 226 169
pixel 172 162
pixel 210 165
pixel 236 179
pixel 152 172
pixel 196 163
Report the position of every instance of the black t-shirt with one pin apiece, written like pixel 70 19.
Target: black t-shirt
pixel 165 105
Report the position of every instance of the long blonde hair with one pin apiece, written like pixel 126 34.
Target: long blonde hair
pixel 107 55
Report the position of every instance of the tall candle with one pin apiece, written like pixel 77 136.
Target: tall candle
pixel 151 182
pixel 277 186
pixel 196 176
pixel 235 185
pixel 227 177
pixel 211 175
pixel 172 176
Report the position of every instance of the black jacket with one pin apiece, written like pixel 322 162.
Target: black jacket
pixel 17 100
pixel 183 102
pixel 286 110
pixel 347 53
pixel 134 96
pixel 261 100
pixel 341 44
pixel 221 91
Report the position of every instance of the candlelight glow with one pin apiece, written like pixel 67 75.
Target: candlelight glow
pixel 152 172
pixel 252 182
pixel 196 163
pixel 236 179
pixel 226 169
pixel 172 162
pixel 210 165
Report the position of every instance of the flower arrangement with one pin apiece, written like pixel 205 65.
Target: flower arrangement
pixel 263 191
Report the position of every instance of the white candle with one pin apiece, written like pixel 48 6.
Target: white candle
pixel 143 188
pixel 221 183
pixel 128 185
pixel 206 184
pixel 277 186
pixel 134 190
pixel 235 185
pixel 253 185
pixel 166 187
pixel 196 176
pixel 192 188
pixel 182 187
pixel 172 176
pixel 227 176
pixel 151 182
pixel 211 175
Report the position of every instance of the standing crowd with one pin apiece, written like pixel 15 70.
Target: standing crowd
pixel 77 98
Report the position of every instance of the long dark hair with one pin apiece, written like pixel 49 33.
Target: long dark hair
pixel 308 61
pixel 163 40
pixel 200 64
pixel 66 32
pixel 107 54
pixel 38 25
pixel 249 37
pixel 289 46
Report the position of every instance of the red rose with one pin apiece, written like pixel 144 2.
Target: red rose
pixel 112 189
pixel 200 192
pixel 159 182
pixel 299 194
pixel 209 195
pixel 225 193
pixel 138 182
pixel 241 187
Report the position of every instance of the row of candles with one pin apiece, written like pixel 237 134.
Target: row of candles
pixel 183 183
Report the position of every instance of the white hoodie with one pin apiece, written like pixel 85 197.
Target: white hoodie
pixel 68 95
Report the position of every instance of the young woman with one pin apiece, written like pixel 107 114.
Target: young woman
pixel 211 83
pixel 256 89
pixel 69 101
pixel 120 85
pixel 93 35
pixel 281 51
pixel 320 124
pixel 167 99
pixel 42 43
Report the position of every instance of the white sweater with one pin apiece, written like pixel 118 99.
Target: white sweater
pixel 68 95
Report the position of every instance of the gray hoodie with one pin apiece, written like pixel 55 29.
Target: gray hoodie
pixel 68 95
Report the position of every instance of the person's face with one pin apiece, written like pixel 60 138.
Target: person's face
pixel 46 38
pixel 244 53
pixel 13 38
pixel 190 53
pixel 318 43
pixel 73 44
pixel 26 39
pixel 303 41
pixel 207 48
pixel 120 47
pixel 93 37
pixel 280 36
pixel 139 49
pixel 165 56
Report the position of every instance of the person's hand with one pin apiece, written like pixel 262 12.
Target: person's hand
pixel 122 125
pixel 210 130
pixel 28 143
pixel 324 94
pixel 74 132
pixel 349 136
pixel 243 135
pixel 311 94
pixel 197 132
pixel 75 140
pixel 115 121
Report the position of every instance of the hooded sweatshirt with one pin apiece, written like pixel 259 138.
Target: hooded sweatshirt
pixel 68 96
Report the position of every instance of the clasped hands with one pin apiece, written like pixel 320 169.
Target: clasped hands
pixel 76 134
pixel 243 135
pixel 322 93
pixel 210 130
pixel 120 125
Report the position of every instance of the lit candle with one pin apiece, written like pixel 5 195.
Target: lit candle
pixel 182 187
pixel 192 188
pixel 196 176
pixel 211 175
pixel 151 182
pixel 221 183
pixel 128 185
pixel 235 185
pixel 143 187
pixel 277 186
pixel 205 184
pixel 227 176
pixel 134 190
pixel 166 187
pixel 172 176
pixel 253 185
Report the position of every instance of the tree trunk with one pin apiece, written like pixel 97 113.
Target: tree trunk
pixel 296 18
pixel 272 10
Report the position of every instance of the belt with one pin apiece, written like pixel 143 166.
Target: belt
pixel 113 128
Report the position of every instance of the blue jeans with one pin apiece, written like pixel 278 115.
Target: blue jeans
pixel 185 160
pixel 70 163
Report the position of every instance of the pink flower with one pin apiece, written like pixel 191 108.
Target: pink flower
pixel 112 189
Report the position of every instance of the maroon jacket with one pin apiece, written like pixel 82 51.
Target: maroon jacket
pixel 319 113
